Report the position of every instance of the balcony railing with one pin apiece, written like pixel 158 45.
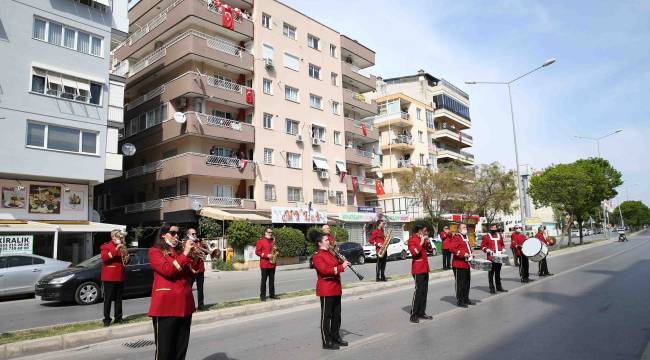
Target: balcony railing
pixel 456 151
pixel 358 123
pixel 222 161
pixel 358 97
pixel 446 127
pixel 229 202
pixel 152 24
pixel 364 153
pixel 225 84
pixel 402 139
pixel 144 169
pixel 404 163
pixel 142 99
pixel 404 115
pixel 143 206
pixel 217 121
pixel 466 154
pixel 216 10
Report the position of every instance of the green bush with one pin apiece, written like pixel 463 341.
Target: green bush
pixel 210 228
pixel 223 265
pixel 340 234
pixel 238 259
pixel 242 233
pixel 290 241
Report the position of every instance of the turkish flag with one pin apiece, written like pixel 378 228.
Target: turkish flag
pixel 364 131
pixel 355 184
pixel 250 98
pixel 379 188
pixel 242 164
pixel 343 173
pixel 226 17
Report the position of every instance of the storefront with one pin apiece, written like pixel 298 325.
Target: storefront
pixel 360 224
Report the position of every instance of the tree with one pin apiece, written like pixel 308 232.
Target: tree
pixel 210 228
pixel 635 214
pixel 493 192
pixel 290 241
pixel 242 233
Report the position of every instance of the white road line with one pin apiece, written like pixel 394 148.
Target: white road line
pixel 646 353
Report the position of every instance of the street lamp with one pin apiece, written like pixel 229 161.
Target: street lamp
pixel 514 131
pixel 597 140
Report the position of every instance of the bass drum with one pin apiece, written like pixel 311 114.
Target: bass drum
pixel 534 249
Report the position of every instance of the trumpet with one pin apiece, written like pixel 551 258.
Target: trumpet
pixel 200 251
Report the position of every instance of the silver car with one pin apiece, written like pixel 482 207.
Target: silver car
pixel 19 273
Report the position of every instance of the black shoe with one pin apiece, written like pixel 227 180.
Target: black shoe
pixel 340 342
pixel 118 321
pixel 470 302
pixel 107 324
pixel 492 291
pixel 502 290
pixel 262 298
pixel 525 280
pixel 461 304
pixel 274 297
pixel 201 307
pixel 414 319
pixel 426 317
pixel 330 346
pixel 541 274
pixel 384 279
pixel 549 274
pixel 377 280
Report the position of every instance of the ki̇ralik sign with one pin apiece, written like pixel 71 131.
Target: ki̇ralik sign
pixel 16 244
pixel 291 215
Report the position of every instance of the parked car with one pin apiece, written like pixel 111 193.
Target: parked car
pixel 433 242
pixel 397 249
pixel 82 283
pixel 19 273
pixel 352 251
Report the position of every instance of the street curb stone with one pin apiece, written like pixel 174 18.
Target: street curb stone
pixel 88 337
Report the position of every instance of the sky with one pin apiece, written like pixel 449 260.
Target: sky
pixel 599 84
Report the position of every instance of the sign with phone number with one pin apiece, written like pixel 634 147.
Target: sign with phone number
pixel 17 244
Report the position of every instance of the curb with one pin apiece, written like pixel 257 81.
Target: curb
pixel 89 337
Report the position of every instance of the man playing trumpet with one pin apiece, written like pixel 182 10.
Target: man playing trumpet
pixel 114 256
pixel 264 249
pixel 197 260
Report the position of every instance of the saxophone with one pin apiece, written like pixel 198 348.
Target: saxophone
pixel 274 254
pixel 387 238
pixel 124 253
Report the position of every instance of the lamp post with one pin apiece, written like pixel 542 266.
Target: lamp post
pixel 514 131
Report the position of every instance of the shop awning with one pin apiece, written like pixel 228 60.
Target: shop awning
pixel 255 218
pixel 90 227
pixel 37 226
pixel 218 214
pixel 26 226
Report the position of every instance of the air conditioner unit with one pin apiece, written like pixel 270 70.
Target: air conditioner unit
pixel 268 62
pixel 331 193
pixel 315 141
pixel 299 138
pixel 323 174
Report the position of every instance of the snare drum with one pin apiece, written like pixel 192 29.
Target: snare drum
pixel 501 259
pixel 534 249
pixel 480 264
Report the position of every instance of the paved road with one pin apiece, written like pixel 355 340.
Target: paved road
pixel 595 307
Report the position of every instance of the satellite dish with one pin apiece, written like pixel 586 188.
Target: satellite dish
pixel 128 149
pixel 179 117
pixel 197 205
pixel 96 216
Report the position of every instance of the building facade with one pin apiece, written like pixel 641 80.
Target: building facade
pixel 59 138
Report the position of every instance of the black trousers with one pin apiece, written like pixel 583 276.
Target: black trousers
pixel 200 279
pixel 113 291
pixel 463 279
pixel 419 303
pixel 270 275
pixel 495 275
pixel 446 258
pixel 330 318
pixel 543 267
pixel 381 267
pixel 172 335
pixel 523 267
pixel 514 255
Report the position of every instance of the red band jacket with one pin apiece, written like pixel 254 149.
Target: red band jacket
pixel 489 243
pixel 171 294
pixel 420 260
pixel 328 269
pixel 377 238
pixel 263 250
pixel 112 266
pixel 459 247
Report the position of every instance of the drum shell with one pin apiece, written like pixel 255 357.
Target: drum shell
pixel 480 264
pixel 534 249
pixel 501 259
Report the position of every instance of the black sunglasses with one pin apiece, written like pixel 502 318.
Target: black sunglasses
pixel 173 233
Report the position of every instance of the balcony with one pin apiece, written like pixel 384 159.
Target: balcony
pixel 191 83
pixel 358 156
pixel 193 44
pixel 366 185
pixel 198 165
pixel 397 167
pixel 359 103
pixel 442 114
pixel 187 12
pixel 400 142
pixel 401 119
pixel 353 49
pixel 453 135
pixel 356 127
pixel 450 154
pixel 352 75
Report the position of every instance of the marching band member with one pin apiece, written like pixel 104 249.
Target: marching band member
pixel 190 235
pixel 263 249
pixel 377 238
pixel 172 303
pixel 542 266
pixel 513 248
pixel 112 276
pixel 330 237
pixel 518 239
pixel 445 237
pixel 493 243
pixel 462 254
pixel 328 288
pixel 419 246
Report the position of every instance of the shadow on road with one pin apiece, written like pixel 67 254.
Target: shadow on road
pixel 219 356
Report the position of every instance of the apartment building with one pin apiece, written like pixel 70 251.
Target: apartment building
pixel 237 108
pixel 422 122
pixel 60 116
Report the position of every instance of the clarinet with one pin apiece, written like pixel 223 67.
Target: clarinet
pixel 342 258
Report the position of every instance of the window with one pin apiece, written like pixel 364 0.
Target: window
pixel 334 76
pixel 267 121
pixel 313 42
pixel 269 192
pixel 293 160
pixel 294 194
pixel 339 198
pixel 291 62
pixel 291 93
pixel 292 127
pixel 15 261
pixel 337 137
pixel 268 156
pixel 57 34
pixel 420 137
pixel 222 114
pixel 66 87
pixel 447 102
pixel 266 21
pixel 314 71
pixel 418 113
pixel 317 132
pixel 289 31
pixel 422 159
pixel 218 151
pixel 150 118
pixel 95 4
pixel 61 138
pixel 335 107
pixel 320 196
pixel 315 101
pixel 333 50
pixel 267 51
pixel 266 86
pixel 224 191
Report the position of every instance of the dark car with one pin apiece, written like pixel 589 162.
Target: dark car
pixel 82 283
pixel 352 251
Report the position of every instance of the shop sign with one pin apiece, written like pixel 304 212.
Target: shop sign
pixel 294 215
pixel 17 244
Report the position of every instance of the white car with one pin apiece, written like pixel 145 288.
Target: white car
pixel 19 273
pixel 397 249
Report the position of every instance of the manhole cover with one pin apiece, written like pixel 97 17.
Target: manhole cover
pixel 139 344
